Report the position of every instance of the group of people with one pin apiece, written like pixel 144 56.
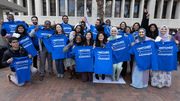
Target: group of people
pixel 59 42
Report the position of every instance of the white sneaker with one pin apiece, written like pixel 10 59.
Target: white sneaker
pixel 59 75
pixel 62 75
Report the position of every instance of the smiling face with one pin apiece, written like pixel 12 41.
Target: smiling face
pixel 141 33
pixel 78 39
pixel 65 19
pixel 20 29
pixel 113 32
pixel 10 17
pixel 123 25
pixel 101 37
pixel 14 44
pixel 58 28
pixel 152 28
pixel 164 30
pixel 136 27
pixel 34 21
pixel 78 29
pixel 47 25
pixel 97 23
pixel 88 36
pixel 128 30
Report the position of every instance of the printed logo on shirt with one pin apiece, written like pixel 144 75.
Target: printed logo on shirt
pixel 84 53
pixel 26 42
pixel 144 51
pixel 165 51
pixel 21 64
pixel 119 45
pixel 103 55
pixel 58 43
pixel 12 28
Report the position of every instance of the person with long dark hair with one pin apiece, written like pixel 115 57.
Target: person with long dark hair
pixel 101 41
pixel 88 41
pixel 78 31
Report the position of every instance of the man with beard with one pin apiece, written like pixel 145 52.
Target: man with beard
pixel 65 25
pixel 31 29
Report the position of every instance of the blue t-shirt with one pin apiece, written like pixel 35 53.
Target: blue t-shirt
pixel 83 58
pixel 27 43
pixel 85 31
pixel 107 30
pixel 35 39
pixel 130 36
pixel 166 56
pixel 94 31
pixel 67 28
pixel 145 55
pixel 121 48
pixel 22 68
pixel 58 42
pixel 69 53
pixel 10 26
pixel 135 35
pixel 103 61
pixel 120 32
pixel 43 34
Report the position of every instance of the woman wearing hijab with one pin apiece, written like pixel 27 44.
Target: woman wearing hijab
pixel 118 66
pixel 162 78
pixel 140 78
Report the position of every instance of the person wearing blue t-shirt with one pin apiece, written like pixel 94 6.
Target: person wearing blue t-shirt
pixel 25 40
pixel 66 26
pixel 116 66
pixel 127 33
pixel 78 31
pixel 59 41
pixel 9 27
pixel 93 28
pixel 78 41
pixel 31 29
pixel 122 26
pixel 15 51
pixel 139 78
pixel 162 78
pixel 43 34
pixel 101 41
pixel 87 76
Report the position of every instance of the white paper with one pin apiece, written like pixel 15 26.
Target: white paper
pixel 158 39
pixel 108 80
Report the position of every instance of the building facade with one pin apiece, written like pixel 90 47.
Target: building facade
pixel 162 12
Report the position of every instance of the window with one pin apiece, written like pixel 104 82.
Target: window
pixel 52 7
pixel 164 9
pixel 89 6
pixel 127 9
pixel 80 7
pixel 136 8
pixel 108 8
pixel 156 9
pixel 25 5
pixel 61 7
pixel 71 8
pixel 117 11
pixel 15 1
pixel 145 4
pixel 174 9
pixel 33 7
pixel 44 7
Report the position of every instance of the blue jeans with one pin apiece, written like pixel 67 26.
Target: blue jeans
pixel 59 66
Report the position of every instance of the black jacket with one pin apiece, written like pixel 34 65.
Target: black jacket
pixel 11 53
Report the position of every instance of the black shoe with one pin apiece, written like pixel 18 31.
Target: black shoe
pixel 97 76
pixel 103 76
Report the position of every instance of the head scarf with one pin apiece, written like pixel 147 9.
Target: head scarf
pixel 141 39
pixel 165 37
pixel 113 37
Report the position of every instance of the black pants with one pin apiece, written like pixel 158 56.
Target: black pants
pixel 124 65
pixel 35 58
